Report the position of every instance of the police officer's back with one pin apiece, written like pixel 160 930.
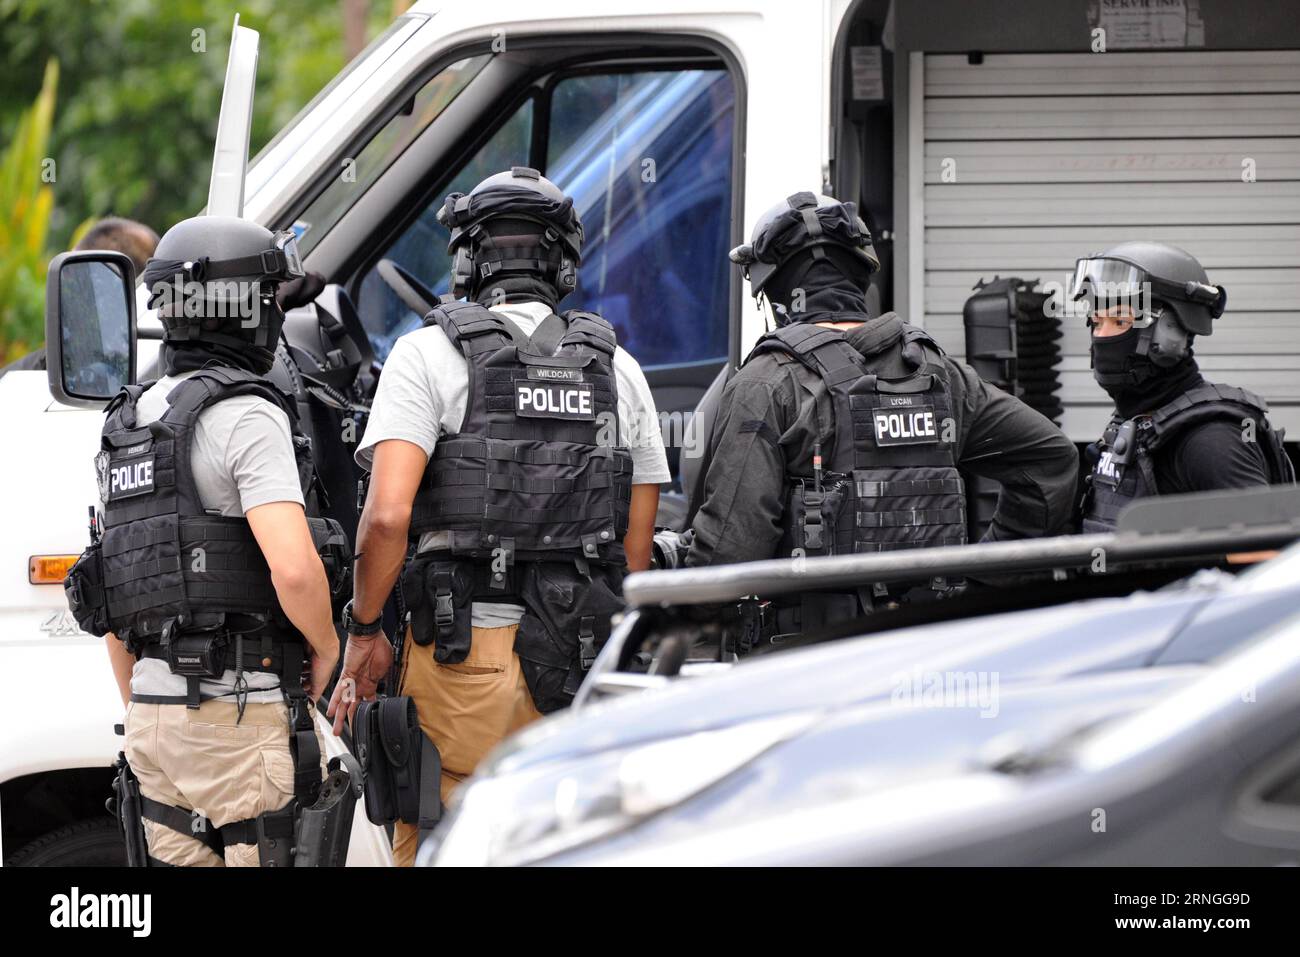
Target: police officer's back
pixel 518 450
pixel 847 433
pixel 1172 431
pixel 207 573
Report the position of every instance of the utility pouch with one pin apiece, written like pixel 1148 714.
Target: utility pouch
pixel 84 589
pixel 201 655
pixel 336 555
pixel 402 767
pixel 275 833
pixel 814 515
pixel 566 623
pixel 441 593
pixel 755 624
pixel 125 806
pixel 324 830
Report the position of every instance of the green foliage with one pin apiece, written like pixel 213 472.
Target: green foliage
pixel 26 200
pixel 139 99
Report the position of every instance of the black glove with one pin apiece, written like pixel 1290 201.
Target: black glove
pixel 300 291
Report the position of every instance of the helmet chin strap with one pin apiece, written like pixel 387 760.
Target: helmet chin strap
pixel 776 314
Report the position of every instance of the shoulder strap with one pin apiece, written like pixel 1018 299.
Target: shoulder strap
pixel 120 411
pixel 1205 402
pixel 474 327
pixel 913 333
pixel 590 329
pixel 547 336
pixel 826 353
pixel 915 342
pixel 823 350
pixel 215 383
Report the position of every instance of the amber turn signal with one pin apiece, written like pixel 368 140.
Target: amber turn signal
pixel 49 569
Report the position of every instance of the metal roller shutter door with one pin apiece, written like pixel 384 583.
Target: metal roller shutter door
pixel 1059 155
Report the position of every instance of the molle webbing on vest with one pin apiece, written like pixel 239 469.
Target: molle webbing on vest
pixel 536 469
pixel 891 479
pixel 164 557
pixel 1122 475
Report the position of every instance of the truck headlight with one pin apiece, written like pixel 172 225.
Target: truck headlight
pixel 531 815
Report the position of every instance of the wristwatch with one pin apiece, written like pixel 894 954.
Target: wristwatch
pixel 360 628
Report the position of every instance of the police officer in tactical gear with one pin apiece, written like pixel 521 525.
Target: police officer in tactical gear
pixel 843 432
pixel 519 449
pixel 206 569
pixel 1172 431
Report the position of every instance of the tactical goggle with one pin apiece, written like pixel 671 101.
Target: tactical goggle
pixel 1101 283
pixel 280 263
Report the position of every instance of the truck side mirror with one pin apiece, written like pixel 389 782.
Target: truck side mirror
pixel 90 326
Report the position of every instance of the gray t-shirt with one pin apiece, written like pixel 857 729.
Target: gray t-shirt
pixel 242 457
pixel 423 393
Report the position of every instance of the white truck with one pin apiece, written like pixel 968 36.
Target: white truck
pixel 674 125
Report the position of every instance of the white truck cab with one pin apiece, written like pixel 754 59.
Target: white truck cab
pixel 674 125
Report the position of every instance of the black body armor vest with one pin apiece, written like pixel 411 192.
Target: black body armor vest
pixel 891 478
pixel 1125 467
pixel 533 491
pixel 167 567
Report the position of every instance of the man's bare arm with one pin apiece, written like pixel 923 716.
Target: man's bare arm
pixel 641 526
pixel 385 523
pixel 381 549
pixel 299 577
pixel 123 663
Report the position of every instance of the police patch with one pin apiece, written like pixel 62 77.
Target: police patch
pixel 904 420
pixel 130 478
pixel 1108 470
pixel 101 475
pixel 554 400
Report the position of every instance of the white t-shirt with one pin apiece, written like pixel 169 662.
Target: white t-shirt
pixel 423 393
pixel 241 457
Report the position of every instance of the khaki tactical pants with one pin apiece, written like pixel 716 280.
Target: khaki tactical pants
pixel 465 709
pixel 203 760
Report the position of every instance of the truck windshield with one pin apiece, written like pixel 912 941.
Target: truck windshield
pixel 363 170
pixel 308 121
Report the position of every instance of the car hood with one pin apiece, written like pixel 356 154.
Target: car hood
pixel 895 742
pixel 1172 626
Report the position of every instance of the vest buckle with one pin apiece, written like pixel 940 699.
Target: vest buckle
pixel 812 519
pixel 587 642
pixel 444 609
pixel 444 613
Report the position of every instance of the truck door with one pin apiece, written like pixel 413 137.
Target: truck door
pixel 643 136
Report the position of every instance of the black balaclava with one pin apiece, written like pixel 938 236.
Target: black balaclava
pixel 832 290
pixel 832 294
pixel 1135 383
pixel 190 354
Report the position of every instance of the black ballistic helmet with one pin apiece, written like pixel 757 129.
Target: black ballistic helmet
pixel 513 223
pixel 806 222
pixel 213 279
pixel 1171 296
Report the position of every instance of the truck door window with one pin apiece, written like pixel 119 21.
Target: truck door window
pixel 647 156
pixel 359 173
pixel 422 247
